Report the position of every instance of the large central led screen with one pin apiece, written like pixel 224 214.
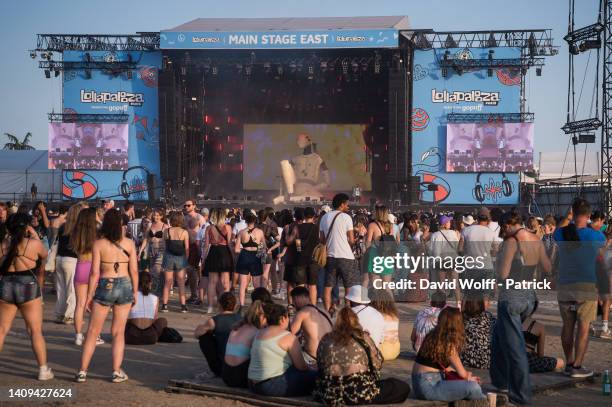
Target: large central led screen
pixel 489 147
pixel 319 157
pixel 99 146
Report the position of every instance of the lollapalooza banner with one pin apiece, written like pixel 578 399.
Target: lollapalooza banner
pixel 434 97
pixel 114 91
pixel 384 38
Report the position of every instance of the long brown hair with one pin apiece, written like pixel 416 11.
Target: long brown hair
pixel 72 216
pixel 85 231
pixel 347 326
pixel 383 302
pixel 447 337
pixel 381 216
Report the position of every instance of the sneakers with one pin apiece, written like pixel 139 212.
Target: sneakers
pixel 192 300
pixel 605 334
pixel 78 339
pixel 45 373
pixel 567 371
pixel 81 377
pixel 197 303
pixel 580 372
pixel 119 376
pixel 210 310
pixel 59 319
pixel 68 321
pixel 99 341
pixel 164 308
pixel 183 308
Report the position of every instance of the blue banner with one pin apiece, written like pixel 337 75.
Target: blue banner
pixel 130 184
pixel 474 91
pixel 384 38
pixel 134 93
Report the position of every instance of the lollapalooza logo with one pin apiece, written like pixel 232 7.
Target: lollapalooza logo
pixel 486 98
pixel 132 99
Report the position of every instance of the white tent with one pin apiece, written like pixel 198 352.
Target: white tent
pixel 20 168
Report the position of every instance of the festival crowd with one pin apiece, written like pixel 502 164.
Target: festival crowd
pixel 279 323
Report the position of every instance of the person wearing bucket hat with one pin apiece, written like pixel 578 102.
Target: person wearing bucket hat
pixel 468 220
pixel 370 319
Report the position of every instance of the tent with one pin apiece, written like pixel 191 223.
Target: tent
pixel 20 168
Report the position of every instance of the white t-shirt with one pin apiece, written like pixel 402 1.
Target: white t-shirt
pixel 145 306
pixel 372 322
pixel 239 226
pixel 444 242
pixel 337 241
pixel 494 226
pixel 478 243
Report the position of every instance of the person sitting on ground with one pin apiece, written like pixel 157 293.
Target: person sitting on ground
pixel 214 333
pixel 438 373
pixel 238 349
pixel 143 327
pixel 312 322
pixel 535 342
pixel 370 319
pixel 384 303
pixel 277 366
pixel 479 325
pixel 261 294
pixel 427 319
pixel 349 367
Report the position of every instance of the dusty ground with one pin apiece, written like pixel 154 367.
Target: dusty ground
pixel 150 367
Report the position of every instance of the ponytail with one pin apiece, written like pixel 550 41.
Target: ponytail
pixel 17 226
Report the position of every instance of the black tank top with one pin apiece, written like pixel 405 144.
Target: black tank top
pixel 175 247
pixel 250 242
pixel 223 328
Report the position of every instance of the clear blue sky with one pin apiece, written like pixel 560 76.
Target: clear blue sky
pixel 27 97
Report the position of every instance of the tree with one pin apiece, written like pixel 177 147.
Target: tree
pixel 15 144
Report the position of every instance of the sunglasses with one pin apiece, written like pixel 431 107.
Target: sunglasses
pixel 187 206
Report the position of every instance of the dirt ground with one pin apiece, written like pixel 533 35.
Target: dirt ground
pixel 150 367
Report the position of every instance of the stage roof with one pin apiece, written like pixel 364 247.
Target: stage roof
pixel 23 160
pixel 294 24
pixel 286 33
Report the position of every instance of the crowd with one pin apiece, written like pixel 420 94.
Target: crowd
pixel 319 344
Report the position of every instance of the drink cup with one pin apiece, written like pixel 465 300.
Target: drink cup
pixel 492 398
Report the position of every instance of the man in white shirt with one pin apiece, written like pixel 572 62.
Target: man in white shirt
pixel 370 319
pixel 479 241
pixel 336 229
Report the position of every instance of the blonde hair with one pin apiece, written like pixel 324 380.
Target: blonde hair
pixel 72 216
pixel 221 217
pixel 381 215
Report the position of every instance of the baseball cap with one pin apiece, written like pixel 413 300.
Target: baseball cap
pixel 445 219
pixel 325 208
pixel 204 211
pixel 484 213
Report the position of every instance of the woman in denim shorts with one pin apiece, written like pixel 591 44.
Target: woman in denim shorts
pixel 113 283
pixel 20 286
pixel 153 246
pixel 175 259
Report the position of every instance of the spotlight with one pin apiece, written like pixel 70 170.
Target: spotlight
pixel 49 56
pixel 355 66
pixel 47 74
pixel 215 70
pixel 344 66
pixel 538 71
pixel 57 73
pixel 33 54
pixel 183 70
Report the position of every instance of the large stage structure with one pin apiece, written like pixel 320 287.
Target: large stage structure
pixel 294 110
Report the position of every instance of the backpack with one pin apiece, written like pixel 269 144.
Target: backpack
pixel 170 335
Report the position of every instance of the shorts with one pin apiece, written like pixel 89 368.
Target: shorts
pixel 310 361
pixel 19 287
pixel 81 275
pixel 114 291
pixel 194 255
pixel 300 275
pixel 583 311
pixel 348 269
pixel 173 263
pixel 541 364
pixel 249 264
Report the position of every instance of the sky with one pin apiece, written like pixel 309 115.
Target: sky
pixel 27 97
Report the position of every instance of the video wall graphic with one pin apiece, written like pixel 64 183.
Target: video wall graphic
pixel 100 146
pixel 489 147
pixel 310 158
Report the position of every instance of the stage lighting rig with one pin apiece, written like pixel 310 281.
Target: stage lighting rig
pixel 582 126
pixel 344 66
pixel 33 54
pixel 585 38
